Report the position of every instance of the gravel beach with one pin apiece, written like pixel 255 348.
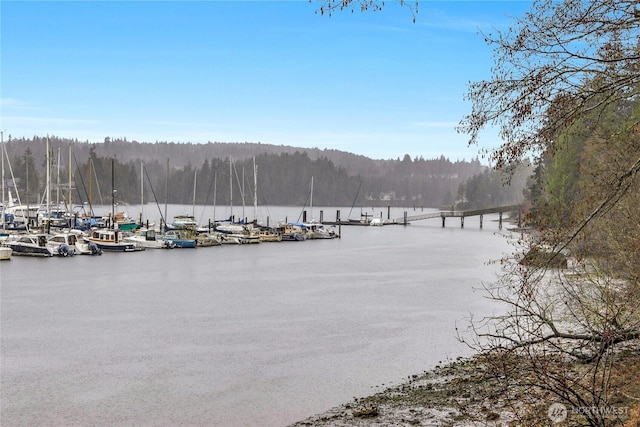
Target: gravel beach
pixel 462 393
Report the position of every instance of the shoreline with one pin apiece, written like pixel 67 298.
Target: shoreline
pixel 432 398
pixel 461 393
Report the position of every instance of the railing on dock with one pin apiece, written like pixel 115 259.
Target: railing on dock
pixel 407 219
pixel 462 215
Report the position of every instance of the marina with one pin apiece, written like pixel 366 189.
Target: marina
pixel 238 335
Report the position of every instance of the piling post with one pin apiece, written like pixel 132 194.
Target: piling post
pixel 405 218
pixel 304 216
pixel 481 216
pixel 321 216
pixel 339 223
pixel 388 212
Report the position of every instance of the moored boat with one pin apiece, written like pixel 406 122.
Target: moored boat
pixel 62 244
pixel 317 230
pixel 31 245
pixel 291 232
pixel 268 234
pixel 111 241
pixel 124 222
pixel 179 239
pixel 5 253
pixel 206 239
pixel 72 243
pixel 183 222
pixel 147 238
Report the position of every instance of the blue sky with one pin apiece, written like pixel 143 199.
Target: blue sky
pixel 372 83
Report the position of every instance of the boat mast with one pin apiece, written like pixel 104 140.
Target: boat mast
pixel 58 181
pixel 166 190
pixel 243 193
pixel 231 187
pixel 48 210
pixel 255 190
pixel 311 200
pixel 70 179
pixel 4 225
pixel 90 185
pixel 113 195
pixel 215 195
pixel 195 179
pixel 141 191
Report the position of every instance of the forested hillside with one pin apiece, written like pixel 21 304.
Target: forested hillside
pixel 283 173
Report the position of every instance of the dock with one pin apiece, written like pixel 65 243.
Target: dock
pixel 443 214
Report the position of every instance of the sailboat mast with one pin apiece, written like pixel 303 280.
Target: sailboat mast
pixel 255 190
pixel 90 185
pixel 195 180
pixel 48 178
pixel 70 180
pixel 311 200
pixel 215 195
pixel 4 225
pixel 231 187
pixel 166 190
pixel 141 192
pixel 58 181
pixel 113 194
pixel 243 193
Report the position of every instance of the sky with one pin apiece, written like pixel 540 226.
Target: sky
pixel 376 84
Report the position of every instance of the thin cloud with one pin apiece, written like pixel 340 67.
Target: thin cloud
pixel 13 103
pixel 448 125
pixel 40 121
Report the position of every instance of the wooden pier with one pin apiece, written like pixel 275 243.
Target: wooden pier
pixel 408 219
pixel 462 215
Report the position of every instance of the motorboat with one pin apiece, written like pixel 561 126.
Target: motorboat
pixel 31 245
pixel 147 238
pixel 62 242
pixel 179 239
pixel 110 240
pixel 5 253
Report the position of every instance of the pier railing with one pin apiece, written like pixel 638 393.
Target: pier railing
pixel 462 214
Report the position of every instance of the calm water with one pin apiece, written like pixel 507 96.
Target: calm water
pixel 260 335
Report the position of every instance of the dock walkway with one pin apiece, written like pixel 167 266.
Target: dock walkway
pixel 461 214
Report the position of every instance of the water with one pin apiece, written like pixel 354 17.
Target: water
pixel 251 335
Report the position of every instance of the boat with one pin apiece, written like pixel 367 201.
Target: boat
pixel 110 240
pixel 31 245
pixel 376 222
pixel 181 222
pixel 207 239
pixel 292 232
pixel 75 241
pixel 5 253
pixel 237 233
pixel 55 217
pixel 125 222
pixel 147 238
pixel 16 217
pixel 268 234
pixel 317 230
pixel 62 244
pixel 179 239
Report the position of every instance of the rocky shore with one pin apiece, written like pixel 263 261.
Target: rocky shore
pixel 462 393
